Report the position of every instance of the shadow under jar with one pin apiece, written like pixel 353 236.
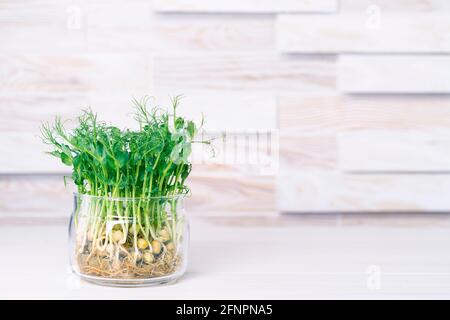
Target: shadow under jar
pixel 129 241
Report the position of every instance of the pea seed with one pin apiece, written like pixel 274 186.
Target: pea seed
pixel 148 257
pixel 142 243
pixel 156 246
pixel 170 246
pixel 117 235
pixel 164 235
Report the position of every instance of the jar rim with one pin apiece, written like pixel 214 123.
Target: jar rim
pixel 167 197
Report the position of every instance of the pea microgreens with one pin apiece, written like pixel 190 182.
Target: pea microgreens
pixel 129 185
pixel 108 161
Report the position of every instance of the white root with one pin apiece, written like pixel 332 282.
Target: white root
pixel 129 250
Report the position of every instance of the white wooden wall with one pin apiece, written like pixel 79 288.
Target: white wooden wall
pixel 358 92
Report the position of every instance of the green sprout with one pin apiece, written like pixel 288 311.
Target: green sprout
pixel 149 165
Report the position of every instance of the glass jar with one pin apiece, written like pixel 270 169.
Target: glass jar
pixel 128 241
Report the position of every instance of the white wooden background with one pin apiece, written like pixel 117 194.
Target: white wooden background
pixel 357 91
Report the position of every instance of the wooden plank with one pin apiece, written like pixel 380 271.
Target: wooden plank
pixel 129 73
pixel 25 113
pixel 394 151
pixel 394 74
pixel 257 112
pixel 244 73
pixel 356 32
pixel 313 115
pixel 213 33
pixel 329 191
pixel 250 6
pixel 46 196
pixel 128 27
pixel 239 192
pixel 309 152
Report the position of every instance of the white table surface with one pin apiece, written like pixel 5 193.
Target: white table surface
pixel 284 258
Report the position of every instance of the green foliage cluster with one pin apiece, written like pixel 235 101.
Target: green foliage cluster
pixel 107 161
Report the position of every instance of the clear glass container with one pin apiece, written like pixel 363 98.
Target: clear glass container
pixel 128 241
